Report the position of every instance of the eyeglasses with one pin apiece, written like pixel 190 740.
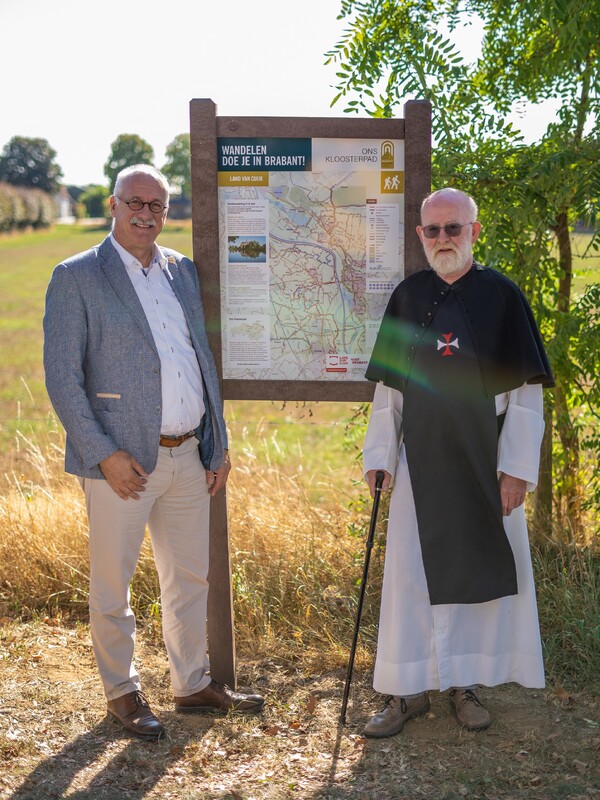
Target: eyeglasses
pixel 453 229
pixel 155 206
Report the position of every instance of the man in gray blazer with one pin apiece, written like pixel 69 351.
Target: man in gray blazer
pixel 132 379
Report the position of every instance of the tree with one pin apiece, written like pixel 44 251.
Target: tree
pixel 95 201
pixel 30 163
pixel 126 150
pixel 530 197
pixel 178 167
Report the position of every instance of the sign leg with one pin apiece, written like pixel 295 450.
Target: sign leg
pixel 221 636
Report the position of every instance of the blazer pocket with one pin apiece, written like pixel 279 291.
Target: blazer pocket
pixel 108 395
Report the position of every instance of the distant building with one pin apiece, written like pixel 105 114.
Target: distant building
pixel 65 207
pixel 180 207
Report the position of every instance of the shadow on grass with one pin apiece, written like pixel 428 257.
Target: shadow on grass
pixel 109 763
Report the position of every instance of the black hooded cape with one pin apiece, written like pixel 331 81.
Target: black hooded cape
pixel 450 348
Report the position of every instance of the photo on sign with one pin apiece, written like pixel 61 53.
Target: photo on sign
pixel 247 249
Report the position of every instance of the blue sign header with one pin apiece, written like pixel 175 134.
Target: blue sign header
pixel 266 155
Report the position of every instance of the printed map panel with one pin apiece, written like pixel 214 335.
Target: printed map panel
pixel 308 261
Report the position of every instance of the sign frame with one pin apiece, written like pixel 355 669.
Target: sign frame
pixel 205 129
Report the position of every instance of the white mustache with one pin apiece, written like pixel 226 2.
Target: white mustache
pixel 446 246
pixel 148 223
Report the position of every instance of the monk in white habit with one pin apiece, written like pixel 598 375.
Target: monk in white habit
pixel 456 425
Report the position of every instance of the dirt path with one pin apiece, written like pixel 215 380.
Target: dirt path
pixel 55 740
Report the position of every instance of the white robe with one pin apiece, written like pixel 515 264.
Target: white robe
pixel 420 646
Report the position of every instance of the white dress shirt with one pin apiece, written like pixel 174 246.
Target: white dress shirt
pixel 181 379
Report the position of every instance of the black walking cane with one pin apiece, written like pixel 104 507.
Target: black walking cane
pixel 379 476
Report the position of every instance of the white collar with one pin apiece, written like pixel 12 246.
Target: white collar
pixel 132 262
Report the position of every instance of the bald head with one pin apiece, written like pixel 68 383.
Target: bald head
pixel 460 200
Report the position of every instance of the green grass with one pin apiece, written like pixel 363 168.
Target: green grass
pixel 26 264
pixel 586 263
pixel 297 434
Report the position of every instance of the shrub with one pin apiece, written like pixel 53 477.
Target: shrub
pixel 95 201
pixel 46 209
pixel 6 207
pixel 23 208
pixel 19 207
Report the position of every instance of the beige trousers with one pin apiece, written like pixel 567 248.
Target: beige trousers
pixel 176 507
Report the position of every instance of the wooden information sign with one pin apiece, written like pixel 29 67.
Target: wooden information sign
pixel 302 227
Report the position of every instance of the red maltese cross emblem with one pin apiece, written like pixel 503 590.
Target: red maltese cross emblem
pixel 447 344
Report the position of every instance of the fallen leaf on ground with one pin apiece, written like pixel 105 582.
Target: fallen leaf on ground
pixel 272 731
pixel 564 697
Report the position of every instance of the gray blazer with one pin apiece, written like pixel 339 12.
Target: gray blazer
pixel 102 366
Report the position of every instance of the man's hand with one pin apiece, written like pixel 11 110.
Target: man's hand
pixel 512 493
pixel 371 480
pixel 124 475
pixel 217 480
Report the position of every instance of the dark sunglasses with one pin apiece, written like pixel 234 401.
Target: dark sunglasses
pixel 453 229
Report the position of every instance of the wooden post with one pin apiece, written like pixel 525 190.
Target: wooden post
pixel 417 178
pixel 221 635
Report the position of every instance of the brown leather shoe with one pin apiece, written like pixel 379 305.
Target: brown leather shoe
pixel 219 697
pixel 469 710
pixel 133 712
pixel 395 713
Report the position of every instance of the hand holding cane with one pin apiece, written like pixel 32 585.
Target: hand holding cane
pixel 379 476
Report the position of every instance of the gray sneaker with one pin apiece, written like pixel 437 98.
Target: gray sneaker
pixel 395 713
pixel 470 711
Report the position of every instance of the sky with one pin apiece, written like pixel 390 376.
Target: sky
pixel 81 72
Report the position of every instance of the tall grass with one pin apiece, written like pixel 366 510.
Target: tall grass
pixel 568 588
pixel 296 565
pixel 295 562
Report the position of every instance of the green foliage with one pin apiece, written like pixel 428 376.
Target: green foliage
pixel 178 167
pixel 531 51
pixel 126 150
pixel 530 197
pixel 30 163
pixel 11 207
pixel 579 342
pixel 25 208
pixel 95 201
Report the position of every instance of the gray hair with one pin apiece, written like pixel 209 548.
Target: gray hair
pixel 141 169
pixel 453 194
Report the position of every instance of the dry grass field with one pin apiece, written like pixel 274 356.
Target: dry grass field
pixel 295 567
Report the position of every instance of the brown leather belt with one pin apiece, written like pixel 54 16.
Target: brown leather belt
pixel 175 441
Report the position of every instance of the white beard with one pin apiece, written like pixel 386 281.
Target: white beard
pixel 448 263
